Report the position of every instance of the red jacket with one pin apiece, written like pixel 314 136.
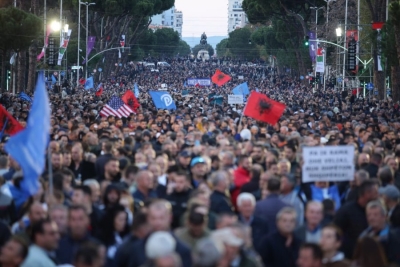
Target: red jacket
pixel 240 177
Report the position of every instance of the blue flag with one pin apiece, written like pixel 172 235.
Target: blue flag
pixel 241 89
pixel 89 84
pixel 25 97
pixel 28 147
pixel 136 90
pixel 53 79
pixel 185 84
pixel 162 100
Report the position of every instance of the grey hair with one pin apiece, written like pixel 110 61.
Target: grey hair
pixel 286 210
pixel 89 182
pixel 218 177
pixel 377 204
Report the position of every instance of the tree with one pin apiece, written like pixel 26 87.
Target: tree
pixel 222 48
pixel 198 47
pixel 17 31
pixel 393 47
pixel 167 41
pixel 241 46
pixel 183 48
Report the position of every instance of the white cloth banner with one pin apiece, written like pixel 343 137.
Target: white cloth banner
pixel 328 163
pixel 235 99
pixel 199 81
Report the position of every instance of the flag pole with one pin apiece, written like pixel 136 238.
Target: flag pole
pixel 241 116
pixel 51 188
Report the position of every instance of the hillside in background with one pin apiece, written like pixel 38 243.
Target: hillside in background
pixel 212 40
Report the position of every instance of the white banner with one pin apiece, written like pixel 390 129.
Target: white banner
pixel 235 99
pixel 320 65
pixel 199 81
pixel 240 77
pixel 63 47
pixel 328 163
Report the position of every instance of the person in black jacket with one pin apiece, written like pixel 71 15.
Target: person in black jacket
pixel 281 248
pixel 159 219
pixel 219 201
pixel 179 197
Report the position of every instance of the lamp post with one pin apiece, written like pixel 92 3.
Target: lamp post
pixel 87 4
pixel 338 35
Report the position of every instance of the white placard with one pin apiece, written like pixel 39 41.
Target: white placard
pixel 328 163
pixel 235 99
pixel 163 85
pixel 240 77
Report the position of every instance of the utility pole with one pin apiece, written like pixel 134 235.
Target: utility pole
pixel 79 40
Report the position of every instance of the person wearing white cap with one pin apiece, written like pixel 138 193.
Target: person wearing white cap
pixel 391 197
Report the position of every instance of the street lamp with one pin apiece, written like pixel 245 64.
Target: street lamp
pixel 55 26
pixel 87 4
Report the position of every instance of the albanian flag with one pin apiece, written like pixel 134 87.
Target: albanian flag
pixel 262 108
pixel 220 78
pixel 99 92
pixel 8 125
pixel 130 99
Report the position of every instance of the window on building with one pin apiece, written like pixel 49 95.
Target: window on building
pixel 172 17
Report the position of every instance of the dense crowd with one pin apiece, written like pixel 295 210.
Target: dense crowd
pixel 203 185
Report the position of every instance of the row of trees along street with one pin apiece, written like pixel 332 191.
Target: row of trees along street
pixel 21 32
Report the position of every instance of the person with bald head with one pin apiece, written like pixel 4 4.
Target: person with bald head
pixel 81 168
pixel 363 160
pixel 144 186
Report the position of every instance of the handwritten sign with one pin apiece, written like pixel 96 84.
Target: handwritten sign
pixel 235 99
pixel 328 163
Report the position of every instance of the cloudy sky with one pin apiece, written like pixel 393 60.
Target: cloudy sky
pixel 209 16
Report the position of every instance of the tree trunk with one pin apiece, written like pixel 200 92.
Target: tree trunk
pixel 379 82
pixel 32 67
pixel 395 73
pixel 21 68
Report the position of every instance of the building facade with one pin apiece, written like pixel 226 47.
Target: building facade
pixel 236 16
pixel 171 18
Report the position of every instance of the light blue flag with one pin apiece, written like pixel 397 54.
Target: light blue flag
pixel 241 89
pixel 89 84
pixel 53 79
pixel 162 100
pixel 28 147
pixel 137 93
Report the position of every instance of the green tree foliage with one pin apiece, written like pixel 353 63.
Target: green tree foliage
pixel 167 41
pixel 17 29
pixel 198 47
pixel 241 46
pixel 222 48
pixel 183 48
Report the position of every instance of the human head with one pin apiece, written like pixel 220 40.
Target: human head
pixel 284 166
pixel 290 152
pixel 59 214
pixel 145 181
pixel 36 212
pixel 288 182
pixel 82 195
pixel 245 162
pixel 182 181
pixel 197 221
pixel 94 188
pixel 219 180
pixel 111 168
pixel 78 221
pixel 273 186
pixel 314 213
pixel 367 192
pixel 376 215
pixel 198 167
pixel 369 252
pixel 286 220
pixel 56 160
pixel 310 255
pixel 331 239
pixel 246 204
pixel 44 233
pixel 89 254
pixel 14 252
pixel 159 215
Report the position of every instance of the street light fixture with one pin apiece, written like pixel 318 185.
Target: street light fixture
pixel 55 26
pixel 338 31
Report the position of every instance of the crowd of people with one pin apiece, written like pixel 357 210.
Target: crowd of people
pixel 203 185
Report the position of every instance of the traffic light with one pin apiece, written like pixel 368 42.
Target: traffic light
pixel 8 75
pixel 51 51
pixel 318 78
pixel 351 55
pixel 306 40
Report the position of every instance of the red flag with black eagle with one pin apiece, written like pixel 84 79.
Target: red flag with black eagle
pixel 130 99
pixel 262 108
pixel 8 124
pixel 220 78
pixel 99 92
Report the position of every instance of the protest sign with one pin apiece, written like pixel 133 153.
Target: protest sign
pixel 199 81
pixel 328 163
pixel 235 99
